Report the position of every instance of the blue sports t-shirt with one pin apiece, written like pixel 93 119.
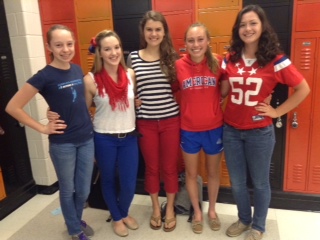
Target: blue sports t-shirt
pixel 64 92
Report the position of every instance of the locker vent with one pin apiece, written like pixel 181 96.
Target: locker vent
pixel 297 173
pixel 316 175
pixel 272 172
pixel 90 60
pixel 5 70
pixel 305 59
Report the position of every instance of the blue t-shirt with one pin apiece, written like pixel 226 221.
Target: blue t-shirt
pixel 64 92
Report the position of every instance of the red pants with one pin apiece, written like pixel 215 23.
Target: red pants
pixel 160 147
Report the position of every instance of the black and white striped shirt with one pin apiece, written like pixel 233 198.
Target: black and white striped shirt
pixel 154 89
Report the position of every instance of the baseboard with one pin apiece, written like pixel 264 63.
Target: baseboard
pixel 279 199
pixel 17 198
pixel 48 190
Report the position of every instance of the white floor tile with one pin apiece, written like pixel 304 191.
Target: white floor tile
pixel 293 225
pixel 298 225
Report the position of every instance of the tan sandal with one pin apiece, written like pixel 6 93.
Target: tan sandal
pixel 168 221
pixel 197 226
pixel 157 220
pixel 214 223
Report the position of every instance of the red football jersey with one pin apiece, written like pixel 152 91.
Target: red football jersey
pixel 250 85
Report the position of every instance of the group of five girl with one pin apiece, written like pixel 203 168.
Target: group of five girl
pixel 247 75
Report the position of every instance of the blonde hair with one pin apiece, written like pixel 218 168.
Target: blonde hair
pixel 98 61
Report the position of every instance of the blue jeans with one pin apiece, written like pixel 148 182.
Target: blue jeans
pixel 250 150
pixel 117 157
pixel 73 164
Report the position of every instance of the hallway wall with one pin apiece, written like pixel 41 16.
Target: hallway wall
pixel 29 56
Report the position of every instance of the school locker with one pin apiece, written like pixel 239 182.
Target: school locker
pixel 302 167
pixel 58 12
pixel 2 189
pixel 218 16
pixel 127 15
pixel 84 19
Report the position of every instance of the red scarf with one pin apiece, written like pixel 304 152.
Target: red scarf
pixel 117 92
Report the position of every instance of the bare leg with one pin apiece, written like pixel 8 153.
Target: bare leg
pixel 191 165
pixel 156 212
pixel 170 209
pixel 213 169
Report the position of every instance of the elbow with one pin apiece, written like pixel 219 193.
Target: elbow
pixel 8 109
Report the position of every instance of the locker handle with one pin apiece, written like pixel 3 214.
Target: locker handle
pixel 294 123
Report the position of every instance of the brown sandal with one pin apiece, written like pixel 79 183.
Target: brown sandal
pixel 168 221
pixel 157 220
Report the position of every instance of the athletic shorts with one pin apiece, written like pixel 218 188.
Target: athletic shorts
pixel 210 141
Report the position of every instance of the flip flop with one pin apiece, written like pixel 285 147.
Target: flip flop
pixel 156 220
pixel 168 221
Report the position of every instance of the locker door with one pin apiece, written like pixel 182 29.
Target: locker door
pixel 178 24
pixel 170 6
pixel 126 18
pixel 298 139
pixel 314 162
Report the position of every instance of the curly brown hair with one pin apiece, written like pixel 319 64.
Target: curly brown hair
pixel 268 46
pixel 168 55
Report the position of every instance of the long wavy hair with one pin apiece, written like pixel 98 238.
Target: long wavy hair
pixel 212 61
pixel 268 46
pixel 98 61
pixel 168 55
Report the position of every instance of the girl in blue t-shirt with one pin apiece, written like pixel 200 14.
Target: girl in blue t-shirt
pixel 71 139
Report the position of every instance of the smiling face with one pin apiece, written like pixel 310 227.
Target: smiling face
pixel 250 29
pixel 197 43
pixel 110 51
pixel 153 33
pixel 61 46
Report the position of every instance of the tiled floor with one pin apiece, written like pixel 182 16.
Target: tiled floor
pixel 293 225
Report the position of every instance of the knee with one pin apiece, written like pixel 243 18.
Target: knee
pixel 261 185
pixel 239 186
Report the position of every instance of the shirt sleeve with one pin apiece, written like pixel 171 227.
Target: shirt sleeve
pixel 37 81
pixel 286 72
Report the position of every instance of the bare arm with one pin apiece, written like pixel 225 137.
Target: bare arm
pixel 133 77
pixel 300 93
pixel 224 88
pixel 137 101
pixel 15 109
pixel 89 89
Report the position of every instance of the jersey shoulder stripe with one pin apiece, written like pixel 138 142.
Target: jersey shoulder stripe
pixel 282 63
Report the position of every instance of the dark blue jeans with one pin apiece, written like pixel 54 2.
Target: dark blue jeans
pixel 73 164
pixel 117 155
pixel 250 150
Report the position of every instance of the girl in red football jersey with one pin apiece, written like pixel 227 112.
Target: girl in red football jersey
pixel 253 67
